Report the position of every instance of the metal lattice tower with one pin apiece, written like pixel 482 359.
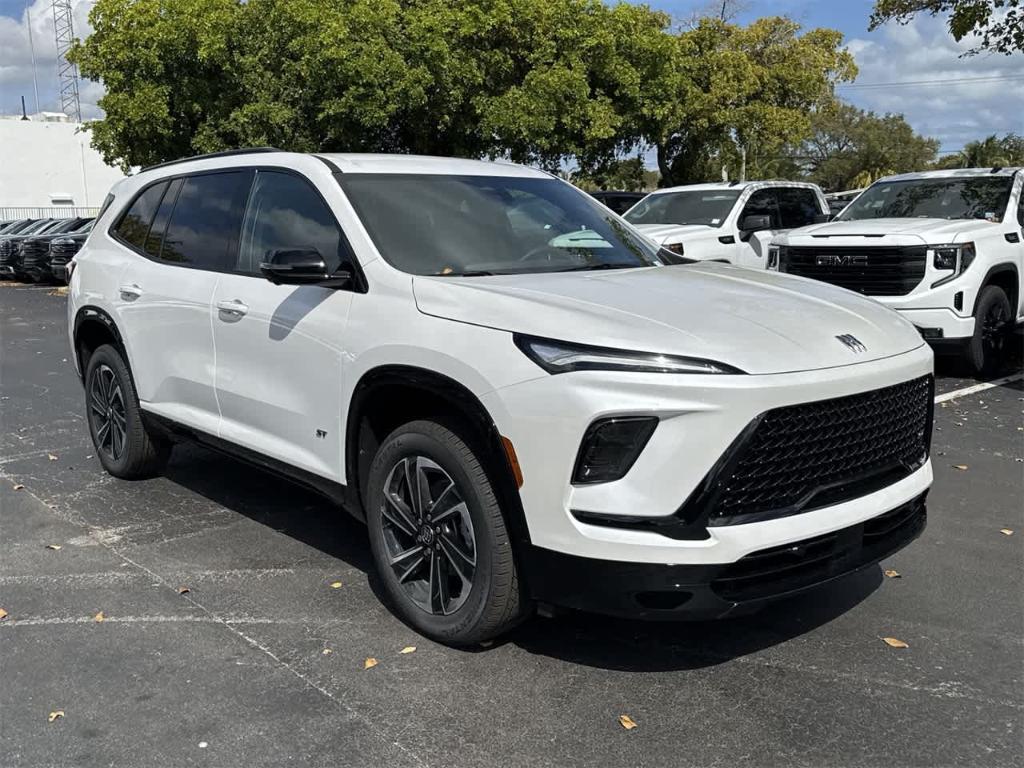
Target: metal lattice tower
pixel 67 73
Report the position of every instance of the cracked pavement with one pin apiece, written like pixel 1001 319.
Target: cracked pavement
pixel 234 672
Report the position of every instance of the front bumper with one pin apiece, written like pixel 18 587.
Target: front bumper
pixel 695 592
pixel 938 324
pixel 7 270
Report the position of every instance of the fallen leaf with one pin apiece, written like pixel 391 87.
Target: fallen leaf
pixel 326 652
pixel 19 487
pixel 890 573
pixel 3 614
pixel 51 457
pixel 627 722
pixel 99 617
pixel 892 642
pixel 1006 531
pixel 370 662
pixel 54 547
pixel 335 585
pixel 55 714
pixel 408 649
pixel 961 467
pixel 183 590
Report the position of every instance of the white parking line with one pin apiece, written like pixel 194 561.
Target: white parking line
pixel 978 388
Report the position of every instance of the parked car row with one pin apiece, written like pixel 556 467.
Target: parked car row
pixel 38 250
pixel 943 248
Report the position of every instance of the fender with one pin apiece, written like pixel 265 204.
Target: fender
pixel 91 314
pixel 999 269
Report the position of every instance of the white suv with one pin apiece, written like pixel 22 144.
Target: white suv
pixel 526 401
pixel 729 221
pixel 944 248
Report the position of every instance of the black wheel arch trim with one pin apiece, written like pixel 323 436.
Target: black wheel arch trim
pixel 93 314
pixel 993 271
pixel 461 399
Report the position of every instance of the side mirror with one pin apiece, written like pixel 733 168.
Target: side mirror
pixel 751 224
pixel 301 266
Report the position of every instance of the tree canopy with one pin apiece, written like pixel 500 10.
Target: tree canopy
pixel 999 23
pixel 540 81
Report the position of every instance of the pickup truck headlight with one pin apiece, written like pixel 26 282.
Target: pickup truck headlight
pixel 676 248
pixel 562 357
pixel 955 256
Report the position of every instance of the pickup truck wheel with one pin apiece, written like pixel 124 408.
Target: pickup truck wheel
pixel 986 348
pixel 124 446
pixel 439 539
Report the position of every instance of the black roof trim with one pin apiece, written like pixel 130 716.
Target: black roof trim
pixel 225 153
pixel 329 163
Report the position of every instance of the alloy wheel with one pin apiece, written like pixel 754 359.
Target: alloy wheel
pixel 107 412
pixel 993 327
pixel 428 535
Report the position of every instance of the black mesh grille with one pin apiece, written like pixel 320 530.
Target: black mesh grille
pixel 870 270
pixel 815 454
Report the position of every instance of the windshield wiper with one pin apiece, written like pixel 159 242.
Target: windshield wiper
pixel 613 265
pixel 467 273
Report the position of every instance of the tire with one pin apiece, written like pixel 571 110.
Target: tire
pixel 125 448
pixel 421 584
pixel 992 321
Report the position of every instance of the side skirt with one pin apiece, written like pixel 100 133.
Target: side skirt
pixel 339 494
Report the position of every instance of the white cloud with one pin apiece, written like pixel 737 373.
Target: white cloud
pixel 954 113
pixel 16 60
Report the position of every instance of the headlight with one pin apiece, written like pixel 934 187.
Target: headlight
pixel 956 257
pixel 562 357
pixel 676 248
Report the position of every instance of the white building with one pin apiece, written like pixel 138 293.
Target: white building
pixel 47 163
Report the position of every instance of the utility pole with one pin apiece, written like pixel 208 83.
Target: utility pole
pixel 67 73
pixel 32 51
pixel 743 163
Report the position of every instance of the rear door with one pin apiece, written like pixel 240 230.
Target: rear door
pixel 184 231
pixel 280 348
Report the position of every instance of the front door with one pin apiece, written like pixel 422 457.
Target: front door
pixel 280 348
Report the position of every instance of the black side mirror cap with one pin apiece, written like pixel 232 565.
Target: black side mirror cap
pixel 302 266
pixel 751 224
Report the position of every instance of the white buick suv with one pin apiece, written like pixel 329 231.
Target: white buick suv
pixel 527 402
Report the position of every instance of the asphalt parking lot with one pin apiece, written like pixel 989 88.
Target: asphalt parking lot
pixel 261 661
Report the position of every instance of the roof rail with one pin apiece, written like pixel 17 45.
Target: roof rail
pixel 225 153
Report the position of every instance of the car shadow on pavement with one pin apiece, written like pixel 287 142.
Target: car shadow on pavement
pixel 590 640
pixel 661 646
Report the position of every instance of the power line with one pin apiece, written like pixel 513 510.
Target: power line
pixel 945 81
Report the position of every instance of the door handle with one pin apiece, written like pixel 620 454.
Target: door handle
pixel 130 292
pixel 233 308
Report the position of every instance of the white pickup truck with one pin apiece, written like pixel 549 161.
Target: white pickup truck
pixel 944 248
pixel 727 221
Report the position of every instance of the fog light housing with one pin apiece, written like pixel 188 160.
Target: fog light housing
pixel 610 447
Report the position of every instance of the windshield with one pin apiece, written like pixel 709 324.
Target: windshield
pixel 480 225
pixel 982 197
pixel 709 207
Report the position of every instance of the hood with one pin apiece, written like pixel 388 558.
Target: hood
pixel 759 322
pixel 925 230
pixel 671 233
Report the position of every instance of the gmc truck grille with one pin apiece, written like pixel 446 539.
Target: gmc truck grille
pixel 872 271
pixel 812 455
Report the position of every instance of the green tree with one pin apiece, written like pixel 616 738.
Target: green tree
pixel 999 23
pixel 534 80
pixel 989 152
pixel 736 89
pixel 848 145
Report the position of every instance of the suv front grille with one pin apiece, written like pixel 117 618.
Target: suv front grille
pixel 816 454
pixel 870 270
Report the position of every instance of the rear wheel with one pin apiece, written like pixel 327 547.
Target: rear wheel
pixel 439 539
pixel 992 324
pixel 125 448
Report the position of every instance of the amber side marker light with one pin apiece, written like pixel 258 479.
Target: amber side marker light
pixel 513 461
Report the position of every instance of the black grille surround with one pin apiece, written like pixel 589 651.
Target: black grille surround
pixel 868 270
pixel 802 457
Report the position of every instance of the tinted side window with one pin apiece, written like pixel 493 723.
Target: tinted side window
pixel 797 206
pixel 204 223
pixel 285 211
pixel 762 203
pixel 156 231
pixel 134 225
pixel 1020 208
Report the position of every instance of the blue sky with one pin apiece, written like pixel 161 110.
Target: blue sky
pixel 981 95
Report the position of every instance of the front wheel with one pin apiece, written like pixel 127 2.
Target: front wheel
pixel 438 536
pixel 992 323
